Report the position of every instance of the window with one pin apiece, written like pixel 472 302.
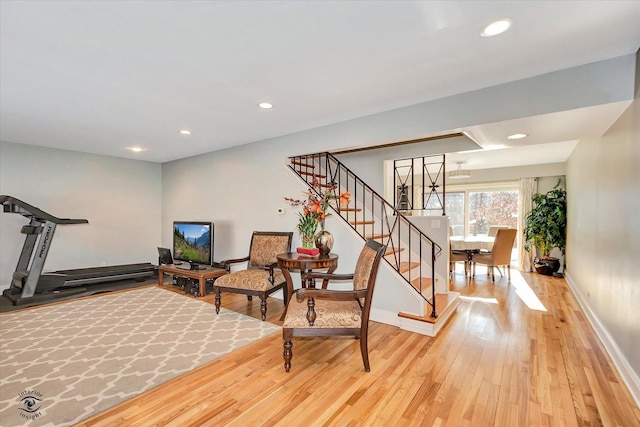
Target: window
pixel 473 209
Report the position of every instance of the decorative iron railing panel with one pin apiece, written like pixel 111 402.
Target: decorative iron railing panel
pixel 419 184
pixel 409 251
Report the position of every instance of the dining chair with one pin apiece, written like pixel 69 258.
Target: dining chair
pixel 493 230
pixel 261 277
pixel 330 312
pixel 458 256
pixel 500 253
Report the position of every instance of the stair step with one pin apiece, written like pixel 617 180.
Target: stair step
pixel 299 163
pixel 406 266
pixel 350 209
pixel 444 302
pixel 323 185
pixel 312 174
pixel 362 222
pixel 424 281
pixel 390 251
pixel 376 236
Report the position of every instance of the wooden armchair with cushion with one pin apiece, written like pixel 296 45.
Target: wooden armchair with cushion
pixel 324 312
pixel 500 253
pixel 261 277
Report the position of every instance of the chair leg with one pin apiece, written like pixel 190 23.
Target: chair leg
pixel 263 307
pixel 508 267
pixel 217 301
pixel 365 352
pixel 493 273
pixel 287 335
pixel 287 353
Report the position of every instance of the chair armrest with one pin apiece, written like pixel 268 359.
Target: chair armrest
pixel 329 276
pixel 226 264
pixel 326 277
pixel 303 293
pixel 270 269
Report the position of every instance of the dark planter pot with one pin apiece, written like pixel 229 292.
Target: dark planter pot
pixel 546 265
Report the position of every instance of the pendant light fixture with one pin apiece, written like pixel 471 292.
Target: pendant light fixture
pixel 459 173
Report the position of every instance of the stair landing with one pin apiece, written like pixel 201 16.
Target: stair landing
pixel 446 306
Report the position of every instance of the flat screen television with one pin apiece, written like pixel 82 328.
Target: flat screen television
pixel 193 241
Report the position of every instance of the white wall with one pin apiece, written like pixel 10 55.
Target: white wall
pixel 603 194
pixel 120 198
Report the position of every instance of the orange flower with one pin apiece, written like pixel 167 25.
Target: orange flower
pixel 315 207
pixel 344 199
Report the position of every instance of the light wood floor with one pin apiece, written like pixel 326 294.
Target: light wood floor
pixel 497 363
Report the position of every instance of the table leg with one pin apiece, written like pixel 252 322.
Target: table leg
pixel 160 277
pixel 307 283
pixel 288 292
pixel 325 282
pixel 202 289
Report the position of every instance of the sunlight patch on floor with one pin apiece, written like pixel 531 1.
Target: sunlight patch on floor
pixel 480 299
pixel 524 291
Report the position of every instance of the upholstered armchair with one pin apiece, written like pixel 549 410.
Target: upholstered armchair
pixel 261 277
pixel 326 312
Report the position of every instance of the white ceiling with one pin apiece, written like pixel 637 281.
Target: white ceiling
pixel 100 76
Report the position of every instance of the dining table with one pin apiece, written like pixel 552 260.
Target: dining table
pixel 471 243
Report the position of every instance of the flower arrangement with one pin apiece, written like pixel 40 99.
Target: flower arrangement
pixel 315 210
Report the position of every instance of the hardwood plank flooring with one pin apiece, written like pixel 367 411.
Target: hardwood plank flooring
pixel 519 354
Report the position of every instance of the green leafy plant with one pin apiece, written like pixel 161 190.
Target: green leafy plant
pixel 545 226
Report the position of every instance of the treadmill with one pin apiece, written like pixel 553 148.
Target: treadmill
pixel 29 285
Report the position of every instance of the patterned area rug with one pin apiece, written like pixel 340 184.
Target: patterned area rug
pixel 64 363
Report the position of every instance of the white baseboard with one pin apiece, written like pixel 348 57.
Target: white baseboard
pixel 628 375
pixel 383 316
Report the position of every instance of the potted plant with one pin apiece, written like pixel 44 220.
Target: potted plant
pixel 545 227
pixel 314 212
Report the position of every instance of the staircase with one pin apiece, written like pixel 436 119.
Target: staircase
pixel 410 252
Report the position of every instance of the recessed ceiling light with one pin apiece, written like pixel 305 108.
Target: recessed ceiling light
pixel 517 136
pixel 185 132
pixel 495 28
pixel 136 149
pixel 265 105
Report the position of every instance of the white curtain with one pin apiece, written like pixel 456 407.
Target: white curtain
pixel 528 187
